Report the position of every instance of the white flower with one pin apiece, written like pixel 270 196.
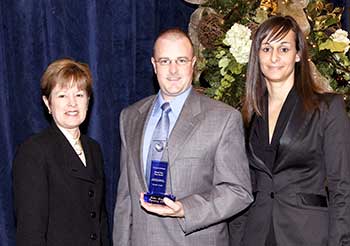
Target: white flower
pixel 341 36
pixel 238 38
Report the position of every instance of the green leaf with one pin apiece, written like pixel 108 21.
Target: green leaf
pixel 330 22
pixel 344 59
pixel 261 15
pixel 224 61
pixel 333 46
pixel 229 78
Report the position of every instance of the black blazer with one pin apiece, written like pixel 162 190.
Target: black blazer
pixel 306 196
pixel 59 202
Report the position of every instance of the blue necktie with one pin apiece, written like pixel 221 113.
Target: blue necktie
pixel 159 139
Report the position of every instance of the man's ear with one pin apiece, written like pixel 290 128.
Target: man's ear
pixel 154 65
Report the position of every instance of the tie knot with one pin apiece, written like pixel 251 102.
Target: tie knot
pixel 166 107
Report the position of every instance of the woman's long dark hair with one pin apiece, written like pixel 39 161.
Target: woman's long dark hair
pixel 275 28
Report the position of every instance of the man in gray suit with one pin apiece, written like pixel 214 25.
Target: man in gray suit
pixel 206 155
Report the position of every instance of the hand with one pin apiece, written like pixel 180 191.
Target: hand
pixel 170 209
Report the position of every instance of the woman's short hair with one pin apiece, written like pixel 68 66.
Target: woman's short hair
pixel 66 73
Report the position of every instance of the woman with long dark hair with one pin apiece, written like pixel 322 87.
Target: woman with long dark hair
pixel 298 145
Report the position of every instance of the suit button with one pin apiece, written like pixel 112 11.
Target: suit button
pixel 93 214
pixel 272 195
pixel 93 236
pixel 91 193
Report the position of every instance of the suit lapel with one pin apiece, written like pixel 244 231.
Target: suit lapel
pixel 297 121
pixel 140 123
pixel 187 121
pixel 91 162
pixel 255 161
pixel 71 161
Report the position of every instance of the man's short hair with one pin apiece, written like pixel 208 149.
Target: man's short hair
pixel 174 33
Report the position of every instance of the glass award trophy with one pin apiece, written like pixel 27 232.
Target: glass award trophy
pixel 158 174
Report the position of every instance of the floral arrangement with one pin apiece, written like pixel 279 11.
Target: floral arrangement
pixel 222 36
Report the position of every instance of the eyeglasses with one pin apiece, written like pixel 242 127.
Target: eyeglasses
pixel 181 61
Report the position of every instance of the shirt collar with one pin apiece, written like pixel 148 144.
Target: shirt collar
pixel 69 136
pixel 176 103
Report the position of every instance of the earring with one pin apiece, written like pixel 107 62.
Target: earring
pixel 49 111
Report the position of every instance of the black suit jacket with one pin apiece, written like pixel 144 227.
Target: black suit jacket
pixel 306 197
pixel 59 202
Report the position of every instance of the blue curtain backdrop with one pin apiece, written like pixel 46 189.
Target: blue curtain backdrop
pixel 114 37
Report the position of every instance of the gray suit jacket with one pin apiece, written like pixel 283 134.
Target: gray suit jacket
pixel 209 175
